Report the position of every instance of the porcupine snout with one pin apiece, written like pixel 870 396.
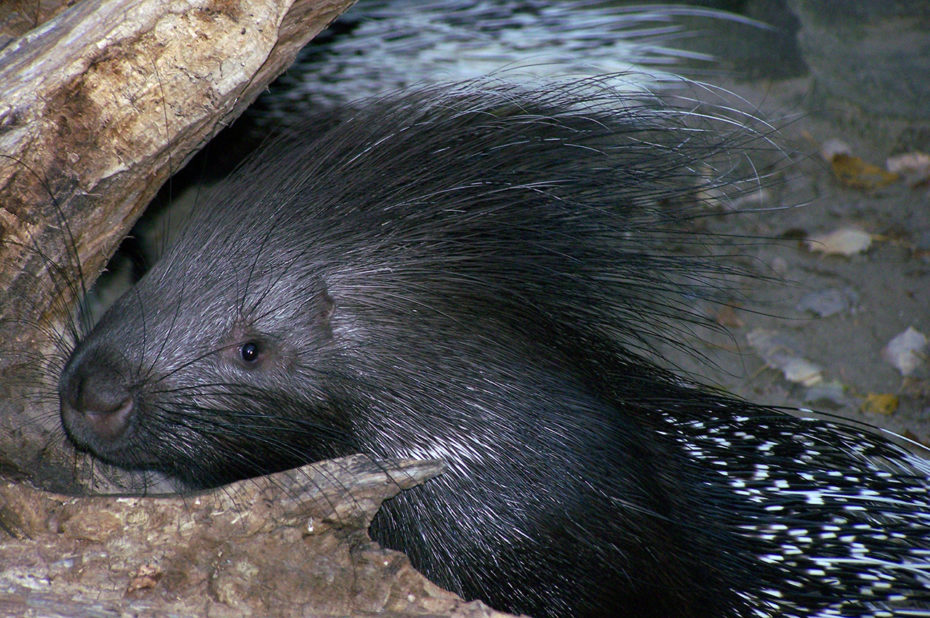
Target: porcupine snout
pixel 96 401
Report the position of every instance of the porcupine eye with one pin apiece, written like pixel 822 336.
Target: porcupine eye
pixel 249 352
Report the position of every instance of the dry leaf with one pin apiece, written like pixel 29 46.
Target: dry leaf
pixel 831 394
pixel 833 148
pixel 829 301
pixel 906 350
pixel 913 166
pixel 802 371
pixel 880 403
pixel 779 353
pixel 844 241
pixel 856 173
pixel 853 171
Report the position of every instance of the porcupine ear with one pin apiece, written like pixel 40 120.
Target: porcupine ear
pixel 321 306
pixel 325 306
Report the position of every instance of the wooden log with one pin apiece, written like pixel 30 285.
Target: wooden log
pixel 291 544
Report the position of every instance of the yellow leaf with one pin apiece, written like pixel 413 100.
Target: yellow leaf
pixel 856 173
pixel 880 403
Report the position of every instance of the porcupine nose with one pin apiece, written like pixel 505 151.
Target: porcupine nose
pixel 95 401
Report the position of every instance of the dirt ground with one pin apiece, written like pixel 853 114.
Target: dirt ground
pixel 835 311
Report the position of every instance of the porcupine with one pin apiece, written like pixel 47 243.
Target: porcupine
pixel 476 273
pixel 380 46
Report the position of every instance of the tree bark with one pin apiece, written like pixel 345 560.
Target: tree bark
pixel 291 544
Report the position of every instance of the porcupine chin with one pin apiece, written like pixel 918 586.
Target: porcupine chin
pixel 476 273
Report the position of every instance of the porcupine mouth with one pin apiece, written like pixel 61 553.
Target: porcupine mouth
pixel 110 438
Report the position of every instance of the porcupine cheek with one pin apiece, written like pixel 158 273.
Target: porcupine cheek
pixel 97 406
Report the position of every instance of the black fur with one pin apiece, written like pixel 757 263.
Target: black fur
pixel 479 273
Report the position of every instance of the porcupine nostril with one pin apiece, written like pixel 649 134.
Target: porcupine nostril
pixel 95 399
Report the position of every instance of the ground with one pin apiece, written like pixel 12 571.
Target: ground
pixel 881 291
